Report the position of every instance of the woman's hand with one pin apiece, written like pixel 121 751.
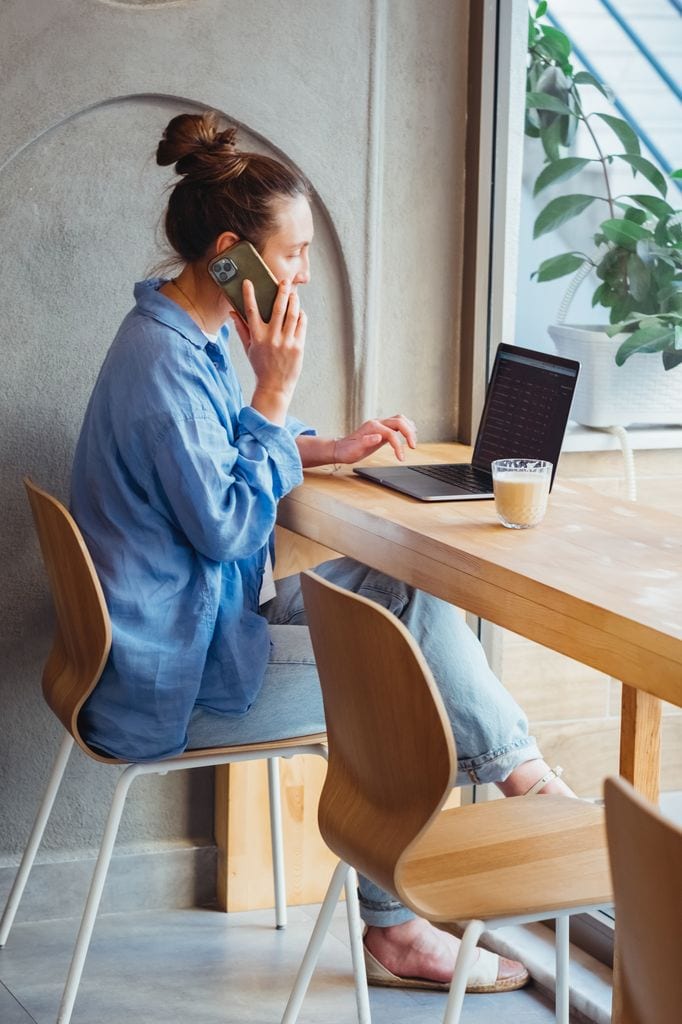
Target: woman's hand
pixel 274 349
pixel 370 436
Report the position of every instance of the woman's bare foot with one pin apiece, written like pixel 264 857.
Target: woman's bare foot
pixel 416 949
pixel 527 774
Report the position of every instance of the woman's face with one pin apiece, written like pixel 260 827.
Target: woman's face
pixel 286 250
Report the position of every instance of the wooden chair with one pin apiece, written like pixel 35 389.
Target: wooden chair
pixel 392 764
pixel 79 652
pixel 646 862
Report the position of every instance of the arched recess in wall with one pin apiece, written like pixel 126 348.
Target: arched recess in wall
pixel 81 208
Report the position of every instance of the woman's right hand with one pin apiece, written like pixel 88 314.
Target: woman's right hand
pixel 274 349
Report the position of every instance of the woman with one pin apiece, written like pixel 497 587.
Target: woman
pixel 175 486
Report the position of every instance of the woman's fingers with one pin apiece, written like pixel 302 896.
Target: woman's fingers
pixel 388 434
pixel 393 430
pixel 280 306
pixel 253 317
pixel 405 426
pixel 301 326
pixel 293 310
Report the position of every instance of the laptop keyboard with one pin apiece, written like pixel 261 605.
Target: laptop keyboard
pixel 463 476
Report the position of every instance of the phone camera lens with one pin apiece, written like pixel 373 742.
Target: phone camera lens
pixel 224 270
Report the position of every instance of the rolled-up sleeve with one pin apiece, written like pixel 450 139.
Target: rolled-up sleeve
pixel 223 494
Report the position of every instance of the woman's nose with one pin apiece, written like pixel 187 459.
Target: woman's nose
pixel 303 276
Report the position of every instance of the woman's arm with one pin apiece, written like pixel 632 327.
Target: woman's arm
pixel 368 438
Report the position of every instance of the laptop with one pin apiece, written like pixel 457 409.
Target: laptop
pixel 524 417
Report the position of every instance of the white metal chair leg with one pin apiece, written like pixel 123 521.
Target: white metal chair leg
pixel 95 894
pixel 305 971
pixel 357 948
pixel 465 959
pixel 275 797
pixel 35 838
pixel 562 968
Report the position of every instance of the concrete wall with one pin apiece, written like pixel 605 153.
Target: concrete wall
pixel 367 97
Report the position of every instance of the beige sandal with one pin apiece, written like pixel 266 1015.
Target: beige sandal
pixel 553 773
pixel 482 976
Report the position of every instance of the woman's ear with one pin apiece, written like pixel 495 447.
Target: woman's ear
pixel 222 242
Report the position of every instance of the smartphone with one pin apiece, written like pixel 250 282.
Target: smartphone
pixel 240 263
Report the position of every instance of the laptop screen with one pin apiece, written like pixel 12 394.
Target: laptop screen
pixel 526 409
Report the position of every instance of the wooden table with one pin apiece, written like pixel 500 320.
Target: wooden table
pixel 600 580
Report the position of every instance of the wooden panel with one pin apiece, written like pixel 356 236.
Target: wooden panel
pixel 296 553
pixel 242 826
pixel 243 835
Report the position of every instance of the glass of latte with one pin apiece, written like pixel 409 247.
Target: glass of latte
pixel 521 488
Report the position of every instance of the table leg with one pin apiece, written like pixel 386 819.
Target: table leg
pixel 640 764
pixel 640 741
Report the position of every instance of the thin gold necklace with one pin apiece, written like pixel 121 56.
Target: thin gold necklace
pixel 186 297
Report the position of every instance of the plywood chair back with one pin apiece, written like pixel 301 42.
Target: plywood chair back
pixel 392 760
pixel 646 863
pixel 83 632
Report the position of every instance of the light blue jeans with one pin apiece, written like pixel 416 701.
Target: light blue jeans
pixel 490 729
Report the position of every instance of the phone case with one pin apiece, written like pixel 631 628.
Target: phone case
pixel 240 263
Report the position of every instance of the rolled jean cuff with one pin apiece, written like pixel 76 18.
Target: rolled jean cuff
pixel 497 765
pixel 383 914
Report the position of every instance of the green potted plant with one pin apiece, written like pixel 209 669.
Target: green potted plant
pixel 629 363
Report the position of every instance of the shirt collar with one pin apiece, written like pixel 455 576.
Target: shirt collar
pixel 151 302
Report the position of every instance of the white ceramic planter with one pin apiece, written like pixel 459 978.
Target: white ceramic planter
pixel 640 391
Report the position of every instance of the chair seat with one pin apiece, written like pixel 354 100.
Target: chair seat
pixel 309 739
pixel 517 856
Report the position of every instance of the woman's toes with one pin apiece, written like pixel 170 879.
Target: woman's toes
pixel 511 970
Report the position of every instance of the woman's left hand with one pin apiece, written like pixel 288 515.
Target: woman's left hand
pixel 370 436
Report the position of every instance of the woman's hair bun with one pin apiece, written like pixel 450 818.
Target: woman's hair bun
pixel 196 144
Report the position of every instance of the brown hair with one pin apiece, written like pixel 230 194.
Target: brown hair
pixel 221 188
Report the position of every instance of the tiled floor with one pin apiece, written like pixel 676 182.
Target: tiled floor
pixel 204 967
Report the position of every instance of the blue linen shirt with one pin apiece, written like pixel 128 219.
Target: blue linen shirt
pixel 175 486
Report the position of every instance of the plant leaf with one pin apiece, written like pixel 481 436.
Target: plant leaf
pixel 671 359
pixel 559 266
pixel 550 136
pixel 676 174
pixel 646 339
pixel 628 326
pixel 661 232
pixel 531 130
pixel 624 132
pixel 647 169
pixel 639 277
pixel 599 294
pixel 621 308
pixel 624 232
pixel 543 101
pixel 558 211
pixel 559 170
pixel 634 215
pixel 585 78
pixel 654 205
pixel 555 46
